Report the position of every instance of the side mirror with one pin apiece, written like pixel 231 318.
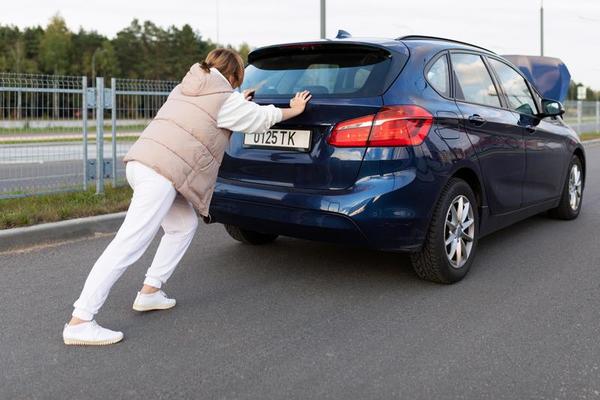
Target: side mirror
pixel 552 108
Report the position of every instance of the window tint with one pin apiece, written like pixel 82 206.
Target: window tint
pixel 515 88
pixel 473 81
pixel 438 76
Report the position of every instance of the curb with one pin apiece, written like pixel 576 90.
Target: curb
pixel 59 231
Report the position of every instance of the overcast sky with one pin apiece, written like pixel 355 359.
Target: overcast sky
pixel 505 26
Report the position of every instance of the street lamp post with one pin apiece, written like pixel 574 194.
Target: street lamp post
pixel 217 6
pixel 98 50
pixel 542 28
pixel 323 9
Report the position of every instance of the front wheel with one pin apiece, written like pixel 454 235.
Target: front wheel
pixel 451 242
pixel 249 237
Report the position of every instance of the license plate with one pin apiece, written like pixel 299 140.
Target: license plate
pixel 279 138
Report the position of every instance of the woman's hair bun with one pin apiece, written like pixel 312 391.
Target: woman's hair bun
pixel 205 66
pixel 228 63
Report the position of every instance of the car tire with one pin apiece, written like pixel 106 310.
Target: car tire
pixel 449 231
pixel 249 237
pixel 573 186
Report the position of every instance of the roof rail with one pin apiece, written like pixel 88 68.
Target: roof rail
pixel 418 37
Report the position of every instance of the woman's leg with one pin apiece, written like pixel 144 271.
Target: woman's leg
pixel 179 224
pixel 152 199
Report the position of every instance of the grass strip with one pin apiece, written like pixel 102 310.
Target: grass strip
pixel 61 206
pixel 589 136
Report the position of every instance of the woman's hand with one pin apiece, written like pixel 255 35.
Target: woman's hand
pixel 297 105
pixel 248 94
pixel 298 102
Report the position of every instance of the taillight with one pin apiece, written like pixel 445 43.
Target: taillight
pixel 352 133
pixel 406 125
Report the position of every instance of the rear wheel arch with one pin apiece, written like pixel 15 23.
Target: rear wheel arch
pixel 472 179
pixel 470 176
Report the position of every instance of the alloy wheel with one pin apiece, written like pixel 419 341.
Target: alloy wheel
pixel 459 231
pixel 575 186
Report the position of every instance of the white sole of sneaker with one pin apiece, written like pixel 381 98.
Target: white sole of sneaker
pixel 76 342
pixel 141 308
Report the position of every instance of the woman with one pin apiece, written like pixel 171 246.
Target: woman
pixel 172 169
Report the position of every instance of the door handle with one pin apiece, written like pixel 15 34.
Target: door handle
pixel 477 120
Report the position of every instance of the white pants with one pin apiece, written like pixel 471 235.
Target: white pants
pixel 155 203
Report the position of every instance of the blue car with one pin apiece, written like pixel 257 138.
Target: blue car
pixel 417 144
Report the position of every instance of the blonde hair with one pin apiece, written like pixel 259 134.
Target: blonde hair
pixel 228 62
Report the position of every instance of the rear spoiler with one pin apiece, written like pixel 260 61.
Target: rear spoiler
pixel 548 75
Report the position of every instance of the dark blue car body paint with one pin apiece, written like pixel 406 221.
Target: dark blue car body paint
pixel 383 197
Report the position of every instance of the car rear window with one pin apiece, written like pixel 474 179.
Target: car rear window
pixel 324 71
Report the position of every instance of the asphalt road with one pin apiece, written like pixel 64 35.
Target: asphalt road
pixel 306 320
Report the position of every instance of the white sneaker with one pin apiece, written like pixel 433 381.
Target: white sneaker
pixel 90 334
pixel 153 301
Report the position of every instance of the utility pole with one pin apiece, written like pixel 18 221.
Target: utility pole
pixel 542 28
pixel 323 17
pixel 217 1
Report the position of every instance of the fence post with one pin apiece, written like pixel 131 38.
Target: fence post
pixel 579 112
pixel 84 120
pixel 598 116
pixel 113 114
pixel 99 135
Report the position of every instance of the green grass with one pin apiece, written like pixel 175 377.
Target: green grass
pixel 61 206
pixel 589 135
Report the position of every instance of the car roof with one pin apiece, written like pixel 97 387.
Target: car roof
pixel 435 44
pixel 399 44
pixel 441 43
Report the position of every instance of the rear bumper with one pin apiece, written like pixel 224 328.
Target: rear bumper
pixel 384 212
pixel 287 221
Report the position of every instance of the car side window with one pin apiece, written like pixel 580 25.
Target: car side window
pixel 473 81
pixel 438 76
pixel 515 88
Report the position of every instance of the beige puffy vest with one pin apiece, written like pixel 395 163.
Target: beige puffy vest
pixel 183 142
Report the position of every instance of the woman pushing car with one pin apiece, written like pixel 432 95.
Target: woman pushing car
pixel 172 169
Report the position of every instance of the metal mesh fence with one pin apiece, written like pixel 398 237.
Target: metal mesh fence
pixel 137 102
pixel 583 116
pixel 47 121
pixel 41 133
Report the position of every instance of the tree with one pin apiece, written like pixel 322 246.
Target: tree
pixel 142 50
pixel 85 43
pixel 107 62
pixel 244 50
pixel 17 57
pixel 55 47
pixel 129 50
pixel 8 36
pixel 185 50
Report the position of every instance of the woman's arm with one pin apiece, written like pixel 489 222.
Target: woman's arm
pixel 297 103
pixel 238 114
